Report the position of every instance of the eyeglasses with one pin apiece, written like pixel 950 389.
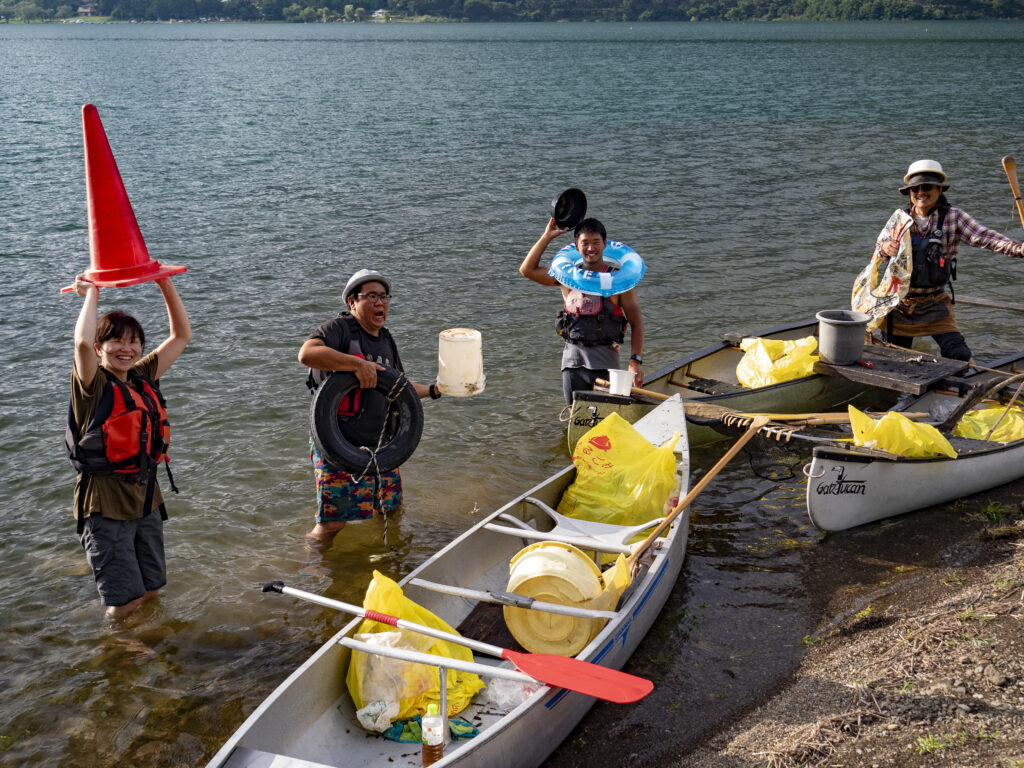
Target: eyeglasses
pixel 374 298
pixel 922 188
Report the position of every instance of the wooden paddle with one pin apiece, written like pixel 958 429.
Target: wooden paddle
pixel 1010 166
pixel 704 410
pixel 1006 410
pixel 975 395
pixel 559 671
pixel 758 422
pixel 961 299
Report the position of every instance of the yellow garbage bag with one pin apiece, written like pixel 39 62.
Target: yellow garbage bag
pixel 772 361
pixel 620 477
pixel 977 424
pixel 897 434
pixel 374 678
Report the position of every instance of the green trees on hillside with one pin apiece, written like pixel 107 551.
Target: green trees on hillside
pixel 525 10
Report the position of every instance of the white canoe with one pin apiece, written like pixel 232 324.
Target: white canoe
pixel 846 488
pixel 309 721
pixel 709 375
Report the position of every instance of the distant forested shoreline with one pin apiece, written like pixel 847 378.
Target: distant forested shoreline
pixel 516 10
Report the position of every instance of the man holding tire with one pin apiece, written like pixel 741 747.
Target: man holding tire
pixel 367 419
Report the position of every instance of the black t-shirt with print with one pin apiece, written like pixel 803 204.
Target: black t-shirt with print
pixel 339 333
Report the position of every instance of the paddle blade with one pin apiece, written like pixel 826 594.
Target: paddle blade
pixel 581 676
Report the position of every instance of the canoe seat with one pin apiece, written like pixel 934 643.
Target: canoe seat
pixel 714 387
pixel 585 534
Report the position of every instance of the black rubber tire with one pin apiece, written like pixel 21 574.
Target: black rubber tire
pixel 336 450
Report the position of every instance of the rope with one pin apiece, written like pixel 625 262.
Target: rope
pixel 401 382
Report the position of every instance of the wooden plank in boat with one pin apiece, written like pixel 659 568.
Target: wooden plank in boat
pixel 897 369
pixel 486 622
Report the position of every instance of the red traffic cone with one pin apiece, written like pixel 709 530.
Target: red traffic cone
pixel 117 251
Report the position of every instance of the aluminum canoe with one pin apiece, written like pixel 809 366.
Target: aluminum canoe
pixel 308 721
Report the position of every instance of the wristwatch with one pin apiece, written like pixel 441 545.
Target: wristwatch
pixel 638 358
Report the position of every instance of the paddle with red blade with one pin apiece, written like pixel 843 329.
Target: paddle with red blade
pixel 558 671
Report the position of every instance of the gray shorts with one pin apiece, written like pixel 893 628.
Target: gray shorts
pixel 126 556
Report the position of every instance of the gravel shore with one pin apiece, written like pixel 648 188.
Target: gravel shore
pixel 925 669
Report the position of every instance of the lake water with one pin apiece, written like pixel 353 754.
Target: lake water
pixel 751 165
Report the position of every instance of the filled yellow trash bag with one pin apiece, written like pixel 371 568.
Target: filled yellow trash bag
pixel 377 679
pixel 977 424
pixel 620 477
pixel 897 434
pixel 773 361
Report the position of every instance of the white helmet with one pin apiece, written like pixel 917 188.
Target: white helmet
pixel 924 172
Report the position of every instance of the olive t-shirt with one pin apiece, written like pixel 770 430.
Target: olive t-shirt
pixel 119 497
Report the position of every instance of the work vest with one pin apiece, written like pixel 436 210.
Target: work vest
pixel 128 435
pixel 931 268
pixel 590 320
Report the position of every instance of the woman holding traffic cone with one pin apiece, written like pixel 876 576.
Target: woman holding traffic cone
pixel 117 435
pixel 118 432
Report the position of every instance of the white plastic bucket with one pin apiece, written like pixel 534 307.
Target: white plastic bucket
pixel 460 364
pixel 841 335
pixel 620 382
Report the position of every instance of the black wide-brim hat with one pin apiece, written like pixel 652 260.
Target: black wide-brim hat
pixel 569 208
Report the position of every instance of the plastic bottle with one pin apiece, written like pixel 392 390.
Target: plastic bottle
pixel 433 735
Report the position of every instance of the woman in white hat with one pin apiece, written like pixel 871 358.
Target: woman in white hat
pixel 936 231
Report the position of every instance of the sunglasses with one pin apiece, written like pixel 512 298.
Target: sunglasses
pixel 922 188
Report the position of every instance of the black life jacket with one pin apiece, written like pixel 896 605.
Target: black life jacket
pixel 128 435
pixel 931 268
pixel 604 327
pixel 349 405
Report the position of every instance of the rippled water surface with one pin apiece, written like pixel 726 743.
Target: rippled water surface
pixel 751 165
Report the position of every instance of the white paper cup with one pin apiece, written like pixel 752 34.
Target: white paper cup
pixel 620 382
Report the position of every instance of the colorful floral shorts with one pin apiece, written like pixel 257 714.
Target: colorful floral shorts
pixel 341 497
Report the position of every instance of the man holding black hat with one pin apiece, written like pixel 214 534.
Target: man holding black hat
pixel 592 325
pixel 356 341
pixel 936 230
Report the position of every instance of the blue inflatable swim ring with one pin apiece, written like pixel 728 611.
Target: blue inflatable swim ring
pixel 630 270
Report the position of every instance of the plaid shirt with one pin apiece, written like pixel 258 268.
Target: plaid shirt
pixel 961 226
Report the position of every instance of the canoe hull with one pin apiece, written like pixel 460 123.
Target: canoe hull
pixel 846 490
pixel 309 720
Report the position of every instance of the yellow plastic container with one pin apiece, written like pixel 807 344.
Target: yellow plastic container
pixel 553 572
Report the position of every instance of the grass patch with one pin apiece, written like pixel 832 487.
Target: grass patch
pixel 970 615
pixel 925 745
pixel 995 510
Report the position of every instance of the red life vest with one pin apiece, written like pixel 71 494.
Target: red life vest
pixel 128 434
